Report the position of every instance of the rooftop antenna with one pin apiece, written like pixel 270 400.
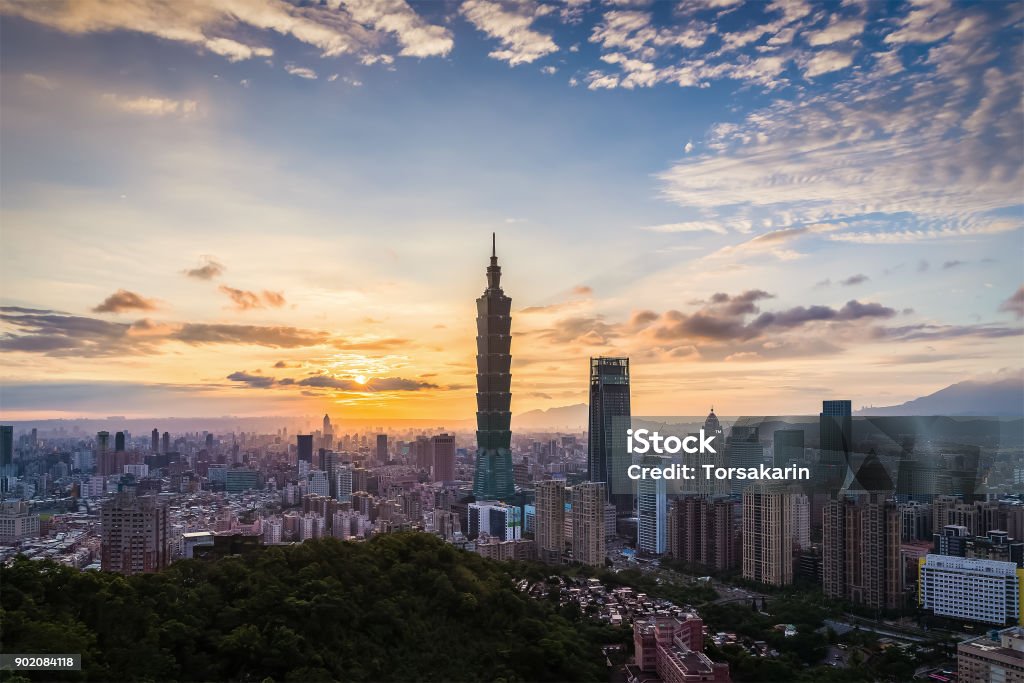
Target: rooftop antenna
pixel 494 245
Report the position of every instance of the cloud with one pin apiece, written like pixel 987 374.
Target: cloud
pixel 582 290
pixel 209 269
pixel 826 61
pixel 152 106
pixel 903 155
pixel 52 333
pixel 228 28
pixel 512 25
pixel 375 384
pixel 857 279
pixel 260 335
pixel 688 226
pixel 1015 304
pixel 245 300
pixel 300 71
pixel 952 264
pixel 40 81
pixel 838 30
pixel 256 381
pixel 273 299
pixel 123 300
pixel 417 37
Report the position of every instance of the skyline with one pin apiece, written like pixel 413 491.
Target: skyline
pixel 761 205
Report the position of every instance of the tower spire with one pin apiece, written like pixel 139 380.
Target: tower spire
pixel 494 246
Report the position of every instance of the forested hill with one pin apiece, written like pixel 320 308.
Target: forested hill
pixel 401 607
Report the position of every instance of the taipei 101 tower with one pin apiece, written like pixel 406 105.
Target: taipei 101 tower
pixel 492 479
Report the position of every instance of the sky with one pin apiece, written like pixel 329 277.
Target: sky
pixel 257 207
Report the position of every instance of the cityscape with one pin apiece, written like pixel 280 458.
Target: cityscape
pixel 930 551
pixel 741 397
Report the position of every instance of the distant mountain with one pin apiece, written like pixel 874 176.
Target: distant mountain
pixel 563 417
pixel 1001 397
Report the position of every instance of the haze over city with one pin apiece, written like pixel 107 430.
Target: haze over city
pixel 277 209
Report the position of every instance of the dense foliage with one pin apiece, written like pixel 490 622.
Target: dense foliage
pixel 400 607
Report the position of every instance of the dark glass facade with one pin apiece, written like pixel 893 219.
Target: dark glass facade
pixel 609 417
pixel 492 479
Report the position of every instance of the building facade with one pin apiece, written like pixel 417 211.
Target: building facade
pixel 134 534
pixel 767 536
pixel 492 477
pixel 588 542
pixel 609 417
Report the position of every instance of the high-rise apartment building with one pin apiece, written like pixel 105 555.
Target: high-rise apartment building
pixel 588 542
pixel 492 477
pixel 382 449
pixel 705 531
pixel 861 551
pixel 801 520
pixel 442 448
pixel 609 418
pixel 550 521
pixel 134 534
pixel 767 536
pixel 166 442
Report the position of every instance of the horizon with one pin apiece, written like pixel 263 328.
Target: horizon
pixel 761 205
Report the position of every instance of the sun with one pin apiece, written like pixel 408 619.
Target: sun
pixel 360 379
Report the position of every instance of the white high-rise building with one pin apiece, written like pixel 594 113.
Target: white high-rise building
pixel 272 531
pixel 652 508
pixel 343 483
pixel 319 484
pixel 987 591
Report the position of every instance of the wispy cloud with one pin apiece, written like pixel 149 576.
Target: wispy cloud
pixel 245 300
pixel 210 269
pixel 123 300
pixel 152 106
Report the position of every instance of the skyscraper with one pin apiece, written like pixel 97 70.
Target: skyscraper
pixel 588 542
pixel 6 448
pixel 166 439
pixel 304 444
pixel 609 418
pixel 744 450
pixel 155 445
pixel 328 434
pixel 382 448
pixel 788 446
pixel 119 442
pixel 492 478
pixel 835 424
pixel 550 533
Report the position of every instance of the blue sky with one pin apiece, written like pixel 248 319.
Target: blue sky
pixel 759 203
